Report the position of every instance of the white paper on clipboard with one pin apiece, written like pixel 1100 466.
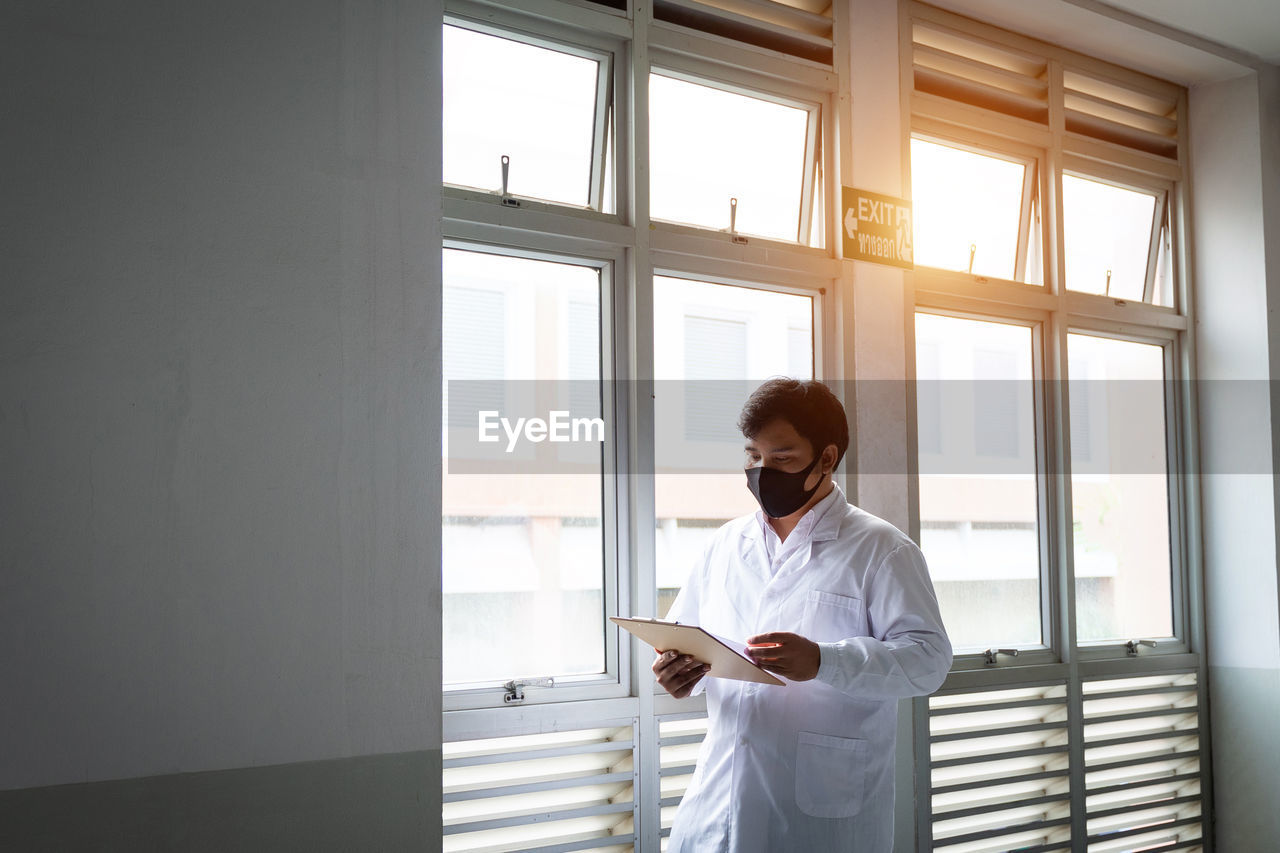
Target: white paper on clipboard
pixel 727 658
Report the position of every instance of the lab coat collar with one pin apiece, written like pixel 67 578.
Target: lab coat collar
pixel 828 511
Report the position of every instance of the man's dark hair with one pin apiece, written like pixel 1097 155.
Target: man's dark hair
pixel 807 405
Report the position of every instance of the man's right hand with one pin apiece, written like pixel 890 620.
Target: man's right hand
pixel 677 673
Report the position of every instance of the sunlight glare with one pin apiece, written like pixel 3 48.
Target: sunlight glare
pixel 961 199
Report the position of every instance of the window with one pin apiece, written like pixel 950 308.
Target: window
pixel 972 210
pixel 706 145
pixel 522 536
pixel 1120 501
pixel 619 276
pixel 979 495
pixel 1108 237
pixel 1048 350
pixel 526 116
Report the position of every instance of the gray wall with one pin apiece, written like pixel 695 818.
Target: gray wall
pixel 1235 148
pixel 219 423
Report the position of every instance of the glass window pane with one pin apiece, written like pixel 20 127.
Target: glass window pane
pixel 979 523
pixel 520 546
pixel 532 104
pixel 1119 490
pixel 707 145
pixel 962 201
pixel 715 344
pixel 1107 231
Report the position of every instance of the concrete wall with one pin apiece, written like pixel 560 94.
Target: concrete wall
pixel 219 410
pixel 1235 148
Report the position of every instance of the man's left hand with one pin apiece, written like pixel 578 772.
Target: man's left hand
pixel 789 655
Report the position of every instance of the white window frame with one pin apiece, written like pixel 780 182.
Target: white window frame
pixel 1160 189
pixel 1049 650
pixel 1180 605
pixel 1067 662
pixel 977 142
pixel 612 682
pixel 563 37
pixel 702 73
pixel 634 249
pixel 1062 310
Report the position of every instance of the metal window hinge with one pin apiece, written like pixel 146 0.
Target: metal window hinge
pixel 989 656
pixel 506 168
pixel 733 223
pixel 515 687
pixel 1131 647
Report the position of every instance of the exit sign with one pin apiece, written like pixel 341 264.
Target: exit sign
pixel 877 228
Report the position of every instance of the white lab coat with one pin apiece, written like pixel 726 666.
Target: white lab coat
pixel 809 766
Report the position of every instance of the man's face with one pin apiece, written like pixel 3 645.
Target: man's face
pixel 779 446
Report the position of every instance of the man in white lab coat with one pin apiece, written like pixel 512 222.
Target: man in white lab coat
pixel 840 606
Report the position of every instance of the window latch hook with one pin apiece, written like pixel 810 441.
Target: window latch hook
pixel 515 687
pixel 506 171
pixel 733 222
pixel 1131 647
pixel 989 656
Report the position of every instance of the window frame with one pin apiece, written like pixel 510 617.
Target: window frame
pixel 556 36
pixel 612 683
pixel 1049 650
pixel 1162 191
pixel 701 72
pixel 1033 159
pixel 1056 153
pixel 636 248
pixel 1180 606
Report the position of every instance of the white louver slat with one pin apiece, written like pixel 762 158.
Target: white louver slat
pixel 679 739
pixel 1120 114
pixel 1000 773
pixel 999 776
pixel 1142 763
pixel 959 67
pixel 963 78
pixel 560 791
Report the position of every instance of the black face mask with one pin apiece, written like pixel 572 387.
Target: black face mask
pixel 781 493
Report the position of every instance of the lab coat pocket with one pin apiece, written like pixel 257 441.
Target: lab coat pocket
pixel 830 616
pixel 830 773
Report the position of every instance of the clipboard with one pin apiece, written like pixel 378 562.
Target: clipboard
pixel 725 660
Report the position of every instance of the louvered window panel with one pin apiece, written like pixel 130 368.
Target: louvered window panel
pixel 1142 763
pixel 801 28
pixel 679 739
pixel 999 770
pixel 552 792
pixel 1112 112
pixel 962 68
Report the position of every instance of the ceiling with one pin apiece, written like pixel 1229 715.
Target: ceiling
pixel 1252 26
pixel 1186 41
